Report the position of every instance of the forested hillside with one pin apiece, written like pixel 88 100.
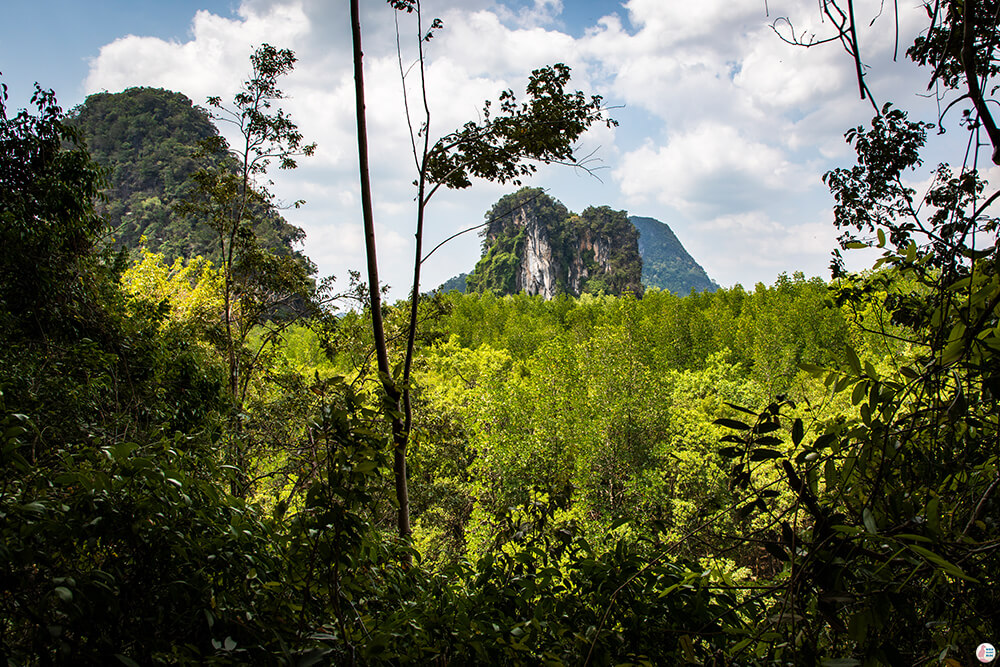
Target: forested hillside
pixel 226 463
pixel 666 264
pixel 149 139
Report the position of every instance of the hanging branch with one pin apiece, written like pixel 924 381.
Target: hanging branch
pixel 490 221
pixel 972 78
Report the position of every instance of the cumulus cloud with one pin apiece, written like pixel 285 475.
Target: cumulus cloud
pixel 539 13
pixel 675 22
pixel 708 171
pixel 780 78
pixel 214 58
pixel 724 126
pixel 752 247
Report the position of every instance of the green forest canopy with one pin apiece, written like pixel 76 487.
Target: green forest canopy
pixel 791 474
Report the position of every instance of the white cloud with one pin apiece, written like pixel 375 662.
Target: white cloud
pixel 752 247
pixel 781 78
pixel 485 46
pixel 725 126
pixel 540 13
pixel 212 62
pixel 709 170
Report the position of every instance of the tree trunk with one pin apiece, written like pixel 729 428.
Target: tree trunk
pixel 392 393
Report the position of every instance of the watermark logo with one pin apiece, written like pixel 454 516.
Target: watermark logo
pixel 985 652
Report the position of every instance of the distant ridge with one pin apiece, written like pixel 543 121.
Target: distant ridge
pixel 666 265
pixel 454 284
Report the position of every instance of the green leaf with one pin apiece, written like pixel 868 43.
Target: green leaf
pixel 125 660
pixel 65 594
pixel 766 427
pixel 910 536
pixel 852 359
pixel 941 563
pixel 731 423
pixel 933 513
pixel 618 523
pixel 953 352
pixel 776 551
pixel 764 454
pixel 119 452
pixel 824 440
pixel 798 432
pixel 859 391
pixel 869 520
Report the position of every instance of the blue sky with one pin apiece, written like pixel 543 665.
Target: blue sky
pixel 52 42
pixel 725 131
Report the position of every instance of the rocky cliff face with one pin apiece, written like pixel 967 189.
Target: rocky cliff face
pixel 521 245
pixel 534 244
pixel 536 274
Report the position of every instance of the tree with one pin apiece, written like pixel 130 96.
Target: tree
pixel 258 284
pixel 960 44
pixel 503 147
pixel 889 553
pixel 48 226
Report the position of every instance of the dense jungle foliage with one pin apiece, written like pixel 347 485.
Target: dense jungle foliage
pixel 194 472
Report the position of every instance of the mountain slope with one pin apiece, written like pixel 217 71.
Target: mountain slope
pixel 145 137
pixel 454 284
pixel 665 263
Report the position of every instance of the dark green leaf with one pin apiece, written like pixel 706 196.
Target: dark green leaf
pixel 732 423
pixel 798 432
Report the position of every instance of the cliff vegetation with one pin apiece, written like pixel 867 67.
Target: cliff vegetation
pixel 533 243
